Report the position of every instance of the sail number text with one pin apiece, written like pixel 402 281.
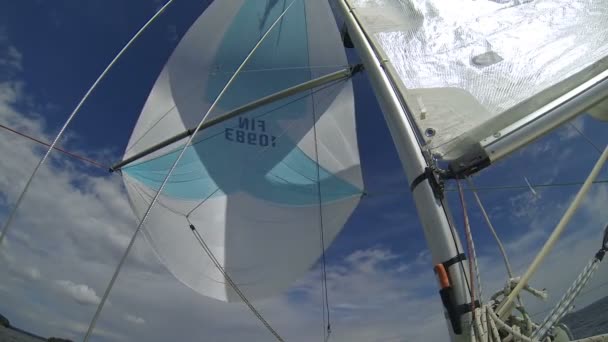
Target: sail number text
pixel 251 132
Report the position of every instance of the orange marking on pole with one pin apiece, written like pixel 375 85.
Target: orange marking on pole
pixel 442 276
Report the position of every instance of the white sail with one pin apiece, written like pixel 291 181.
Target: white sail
pixel 468 68
pixel 249 185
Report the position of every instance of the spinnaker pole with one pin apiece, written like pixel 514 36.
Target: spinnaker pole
pixel 442 241
pixel 308 85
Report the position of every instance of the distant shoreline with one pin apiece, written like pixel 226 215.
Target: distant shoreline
pixel 13 334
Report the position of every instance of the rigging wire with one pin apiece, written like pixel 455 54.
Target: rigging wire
pixel 232 284
pixel 173 167
pixel 66 152
pixel 599 151
pixel 321 228
pixel 11 216
pixel 325 295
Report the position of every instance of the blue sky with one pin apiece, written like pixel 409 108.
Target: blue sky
pixel 76 220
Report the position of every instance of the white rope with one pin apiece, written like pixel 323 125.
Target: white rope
pixel 470 247
pixel 480 329
pixel 494 330
pixel 505 258
pixel 71 117
pixel 165 180
pixel 476 264
pixel 500 323
pixel 564 304
pixel 505 307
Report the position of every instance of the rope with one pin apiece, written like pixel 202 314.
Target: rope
pixel 505 258
pixel 232 284
pixel 73 114
pixel 500 323
pixel 503 252
pixel 505 307
pixel 470 247
pixel 71 154
pixel 168 175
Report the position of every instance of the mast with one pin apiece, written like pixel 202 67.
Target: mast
pixel 442 241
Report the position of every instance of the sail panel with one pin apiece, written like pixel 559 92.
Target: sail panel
pixel 254 186
pixel 465 67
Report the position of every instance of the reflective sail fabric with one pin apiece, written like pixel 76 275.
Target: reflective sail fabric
pixel 469 68
pixel 254 186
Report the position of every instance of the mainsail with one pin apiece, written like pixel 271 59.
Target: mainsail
pixel 260 188
pixel 467 69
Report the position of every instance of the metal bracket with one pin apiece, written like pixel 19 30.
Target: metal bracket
pixel 474 161
pixel 433 175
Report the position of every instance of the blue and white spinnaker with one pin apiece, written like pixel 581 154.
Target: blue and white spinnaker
pixel 253 186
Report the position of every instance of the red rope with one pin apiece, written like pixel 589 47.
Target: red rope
pixel 467 228
pixel 73 155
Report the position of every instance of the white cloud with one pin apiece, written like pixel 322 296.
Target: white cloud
pixel 81 293
pixel 30 273
pixel 134 319
pixel 17 270
pixel 10 57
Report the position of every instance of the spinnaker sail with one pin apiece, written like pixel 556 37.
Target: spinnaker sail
pixel 262 187
pixel 467 69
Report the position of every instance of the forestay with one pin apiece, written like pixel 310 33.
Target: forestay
pixel 468 68
pixel 252 186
